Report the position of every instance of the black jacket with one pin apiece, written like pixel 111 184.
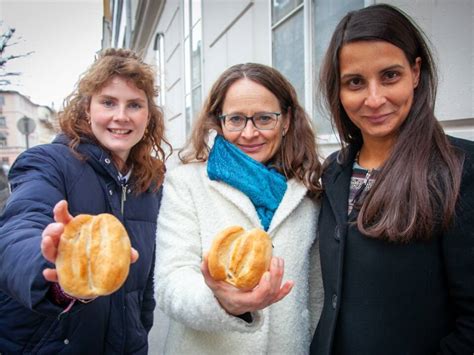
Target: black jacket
pixel 29 321
pixel 387 298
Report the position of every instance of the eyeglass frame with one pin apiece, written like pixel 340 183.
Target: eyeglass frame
pixel 250 118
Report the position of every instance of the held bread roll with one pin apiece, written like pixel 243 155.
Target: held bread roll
pixel 93 256
pixel 240 257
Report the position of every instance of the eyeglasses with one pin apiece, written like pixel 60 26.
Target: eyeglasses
pixel 263 121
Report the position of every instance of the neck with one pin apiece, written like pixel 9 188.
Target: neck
pixel 120 165
pixel 373 154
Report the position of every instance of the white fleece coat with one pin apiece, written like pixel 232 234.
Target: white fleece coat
pixel 193 210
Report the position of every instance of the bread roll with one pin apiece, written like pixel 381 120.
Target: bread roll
pixel 93 256
pixel 240 257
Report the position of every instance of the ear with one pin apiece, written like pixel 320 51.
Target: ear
pixel 416 69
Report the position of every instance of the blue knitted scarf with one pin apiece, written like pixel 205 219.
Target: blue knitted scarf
pixel 264 186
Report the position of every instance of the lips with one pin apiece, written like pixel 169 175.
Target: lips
pixel 377 118
pixel 251 148
pixel 119 131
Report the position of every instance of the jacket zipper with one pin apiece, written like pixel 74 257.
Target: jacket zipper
pixel 124 198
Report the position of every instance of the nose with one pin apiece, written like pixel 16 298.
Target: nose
pixel 120 113
pixel 375 96
pixel 249 130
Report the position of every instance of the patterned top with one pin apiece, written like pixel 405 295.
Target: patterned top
pixel 361 182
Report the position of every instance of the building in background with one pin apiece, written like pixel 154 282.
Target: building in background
pixel 14 107
pixel 193 41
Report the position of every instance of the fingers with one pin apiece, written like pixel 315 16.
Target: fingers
pixel 134 255
pixel 50 275
pixel 268 291
pixel 285 290
pixel 61 213
pixel 210 282
pixel 277 267
pixel 50 241
pixel 205 268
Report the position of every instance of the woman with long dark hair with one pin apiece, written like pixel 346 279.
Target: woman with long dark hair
pixel 397 223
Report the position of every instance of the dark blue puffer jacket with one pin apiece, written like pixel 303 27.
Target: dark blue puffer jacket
pixel 29 321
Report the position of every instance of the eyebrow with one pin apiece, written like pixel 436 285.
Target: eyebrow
pixel 105 96
pixel 391 67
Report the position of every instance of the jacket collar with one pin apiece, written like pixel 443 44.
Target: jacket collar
pixel 95 156
pixel 336 181
pixel 294 195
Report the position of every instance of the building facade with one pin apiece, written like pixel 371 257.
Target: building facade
pixel 13 108
pixel 193 41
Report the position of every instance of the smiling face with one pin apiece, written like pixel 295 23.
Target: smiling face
pixel 119 116
pixel 247 97
pixel 377 87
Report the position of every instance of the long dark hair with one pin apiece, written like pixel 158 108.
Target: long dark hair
pixel 297 156
pixel 417 188
pixel 147 156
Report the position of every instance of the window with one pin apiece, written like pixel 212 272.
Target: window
pixel 159 48
pixel 3 121
pixel 3 140
pixel 2 100
pixel 192 60
pixel 288 38
pixel 301 30
pixel 326 15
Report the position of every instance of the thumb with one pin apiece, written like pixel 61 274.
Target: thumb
pixel 204 265
pixel 61 213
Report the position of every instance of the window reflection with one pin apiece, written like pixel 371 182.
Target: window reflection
pixel 192 60
pixel 281 8
pixel 288 51
pixel 196 54
pixel 326 15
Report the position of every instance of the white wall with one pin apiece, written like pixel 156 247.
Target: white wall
pixel 233 32
pixel 449 25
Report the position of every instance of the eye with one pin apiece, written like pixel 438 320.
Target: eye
pixel 353 83
pixel 135 105
pixel 235 119
pixel 264 118
pixel 391 75
pixel 108 103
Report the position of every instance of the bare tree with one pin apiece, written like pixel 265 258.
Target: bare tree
pixel 4 43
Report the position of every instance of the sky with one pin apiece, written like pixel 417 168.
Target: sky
pixel 64 35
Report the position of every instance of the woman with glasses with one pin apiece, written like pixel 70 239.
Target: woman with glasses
pixel 397 216
pixel 251 161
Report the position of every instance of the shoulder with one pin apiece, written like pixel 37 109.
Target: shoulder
pixel 187 171
pixel 462 144
pixel 332 164
pixel 50 149
pixel 41 157
pixel 466 149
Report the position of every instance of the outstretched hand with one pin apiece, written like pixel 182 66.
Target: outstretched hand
pixel 52 234
pixel 237 302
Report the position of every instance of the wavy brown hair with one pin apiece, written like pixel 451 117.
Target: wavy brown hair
pixel 417 188
pixel 147 156
pixel 297 156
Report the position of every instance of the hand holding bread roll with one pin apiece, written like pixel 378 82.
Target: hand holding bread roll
pixel 240 257
pixel 93 256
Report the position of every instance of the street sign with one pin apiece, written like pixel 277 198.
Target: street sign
pixel 26 126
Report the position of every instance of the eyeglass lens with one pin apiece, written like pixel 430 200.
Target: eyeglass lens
pixel 262 121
